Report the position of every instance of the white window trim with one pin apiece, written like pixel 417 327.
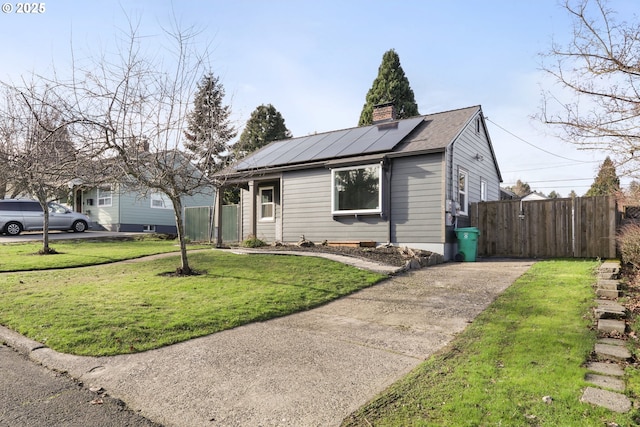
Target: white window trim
pixel 334 211
pixel 483 190
pixel 106 201
pixel 166 203
pixel 272 203
pixel 464 207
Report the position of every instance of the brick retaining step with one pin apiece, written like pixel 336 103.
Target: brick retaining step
pixel 608 284
pixel 615 353
pixel 609 270
pixel 611 325
pixel 608 399
pixel 607 293
pixel 611 369
pixel 607 309
pixel 605 381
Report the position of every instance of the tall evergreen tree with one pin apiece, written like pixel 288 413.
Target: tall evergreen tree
pixel 391 85
pixel 606 182
pixel 209 129
pixel 265 125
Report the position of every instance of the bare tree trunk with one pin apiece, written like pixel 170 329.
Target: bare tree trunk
pixel 45 230
pixel 184 268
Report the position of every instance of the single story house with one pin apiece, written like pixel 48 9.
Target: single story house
pixel 534 196
pixel 403 182
pixel 114 208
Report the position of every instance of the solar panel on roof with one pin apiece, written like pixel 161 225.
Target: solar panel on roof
pixel 324 146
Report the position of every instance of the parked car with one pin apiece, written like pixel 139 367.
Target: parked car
pixel 18 215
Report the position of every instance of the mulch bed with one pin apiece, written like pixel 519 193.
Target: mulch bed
pixel 384 255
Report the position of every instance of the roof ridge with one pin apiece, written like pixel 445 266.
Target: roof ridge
pixel 376 124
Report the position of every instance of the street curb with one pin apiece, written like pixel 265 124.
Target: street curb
pixel 18 342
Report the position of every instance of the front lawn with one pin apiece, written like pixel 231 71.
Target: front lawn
pixel 125 308
pixel 530 343
pixel 81 252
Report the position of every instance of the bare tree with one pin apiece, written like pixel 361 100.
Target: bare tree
pixel 135 106
pixel 600 67
pixel 8 129
pixel 38 148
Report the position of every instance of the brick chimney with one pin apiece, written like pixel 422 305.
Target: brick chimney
pixel 383 113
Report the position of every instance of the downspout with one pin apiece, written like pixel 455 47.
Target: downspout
pixel 454 223
pixel 387 198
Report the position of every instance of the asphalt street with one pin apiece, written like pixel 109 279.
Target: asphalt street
pixel 32 395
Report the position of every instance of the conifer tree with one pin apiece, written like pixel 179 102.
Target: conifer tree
pixel 265 125
pixel 391 85
pixel 209 129
pixel 606 182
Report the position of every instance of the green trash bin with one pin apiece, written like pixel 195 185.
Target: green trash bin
pixel 467 243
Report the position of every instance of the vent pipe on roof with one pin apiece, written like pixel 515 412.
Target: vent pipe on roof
pixel 383 113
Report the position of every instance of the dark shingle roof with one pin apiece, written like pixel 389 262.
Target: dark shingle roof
pixel 438 130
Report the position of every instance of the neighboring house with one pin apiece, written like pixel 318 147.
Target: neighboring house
pixel 534 196
pixel 114 208
pixel 117 207
pixel 506 194
pixel 406 182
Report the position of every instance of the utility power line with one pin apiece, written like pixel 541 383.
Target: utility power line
pixel 536 147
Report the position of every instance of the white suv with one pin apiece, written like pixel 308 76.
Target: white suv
pixel 18 215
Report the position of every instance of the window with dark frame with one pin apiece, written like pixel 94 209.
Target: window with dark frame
pixel 357 190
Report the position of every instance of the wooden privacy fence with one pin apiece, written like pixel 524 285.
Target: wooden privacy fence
pixel 583 227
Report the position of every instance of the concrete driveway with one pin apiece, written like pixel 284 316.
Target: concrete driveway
pixel 307 369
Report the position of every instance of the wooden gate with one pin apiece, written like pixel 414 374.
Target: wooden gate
pixel 583 227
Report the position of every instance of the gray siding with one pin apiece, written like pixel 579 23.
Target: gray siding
pixel 307 211
pixel 266 229
pixel 465 149
pixel 136 209
pixel 417 199
pixel 103 215
pixel 130 211
pixel 245 213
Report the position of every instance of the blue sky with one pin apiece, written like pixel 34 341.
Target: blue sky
pixel 316 60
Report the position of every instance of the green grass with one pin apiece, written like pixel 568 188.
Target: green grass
pixel 531 342
pixel 126 308
pixel 80 252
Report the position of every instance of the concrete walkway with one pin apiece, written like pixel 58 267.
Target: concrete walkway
pixel 308 369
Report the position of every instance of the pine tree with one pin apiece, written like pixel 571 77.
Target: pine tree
pixel 606 182
pixel 265 125
pixel 209 129
pixel 391 85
